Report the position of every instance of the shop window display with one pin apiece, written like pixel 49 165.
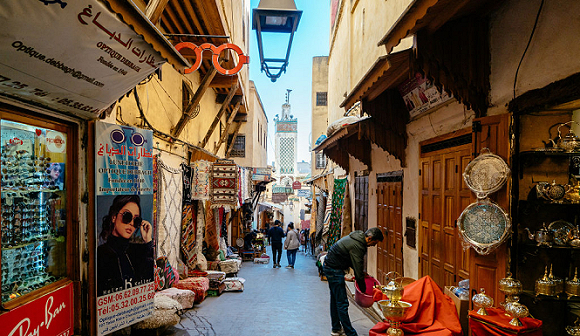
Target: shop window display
pixel 33 208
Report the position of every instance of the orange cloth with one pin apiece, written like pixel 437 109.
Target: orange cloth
pixel 433 313
pixel 497 324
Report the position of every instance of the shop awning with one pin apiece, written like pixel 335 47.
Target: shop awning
pixel 272 206
pixel 431 15
pixel 387 71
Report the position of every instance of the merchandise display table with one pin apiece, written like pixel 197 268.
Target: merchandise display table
pixel 497 324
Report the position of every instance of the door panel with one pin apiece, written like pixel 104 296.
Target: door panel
pixel 389 205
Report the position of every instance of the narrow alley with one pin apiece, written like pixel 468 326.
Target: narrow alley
pixel 275 301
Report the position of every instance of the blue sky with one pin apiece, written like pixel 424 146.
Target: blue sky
pixel 310 40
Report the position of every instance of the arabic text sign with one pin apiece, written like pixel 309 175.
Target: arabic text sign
pixel 49 315
pixel 100 59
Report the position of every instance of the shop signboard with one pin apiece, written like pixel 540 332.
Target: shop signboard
pixel 72 56
pixel 261 174
pixel 296 185
pixel 279 198
pixel 124 210
pixel 49 315
pixel 304 193
pixel 420 95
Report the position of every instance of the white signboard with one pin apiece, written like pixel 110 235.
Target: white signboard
pixel 304 193
pixel 74 56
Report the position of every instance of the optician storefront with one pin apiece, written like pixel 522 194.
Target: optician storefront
pixel 62 64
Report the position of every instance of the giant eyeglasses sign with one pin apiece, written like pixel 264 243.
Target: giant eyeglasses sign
pixel 216 51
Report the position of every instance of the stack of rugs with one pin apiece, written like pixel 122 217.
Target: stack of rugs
pixel 216 285
pixel 199 285
pixel 230 266
pixel 185 297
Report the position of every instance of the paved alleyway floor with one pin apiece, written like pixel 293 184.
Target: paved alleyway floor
pixel 276 302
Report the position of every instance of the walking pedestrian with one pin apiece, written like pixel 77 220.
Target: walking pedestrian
pixel 275 235
pixel 291 245
pixel 348 252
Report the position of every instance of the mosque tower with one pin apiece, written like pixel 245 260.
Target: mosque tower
pixel 286 146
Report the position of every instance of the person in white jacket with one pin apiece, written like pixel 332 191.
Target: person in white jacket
pixel 291 245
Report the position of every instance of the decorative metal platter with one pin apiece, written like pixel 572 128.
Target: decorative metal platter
pixel 486 174
pixel 561 229
pixel 240 242
pixel 484 225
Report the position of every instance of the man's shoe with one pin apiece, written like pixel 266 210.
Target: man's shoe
pixel 288 266
pixel 338 333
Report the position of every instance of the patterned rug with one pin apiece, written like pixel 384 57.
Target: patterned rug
pixel 200 180
pixel 187 172
pixel 224 184
pixel 188 234
pixel 347 214
pixel 170 199
pixel 336 214
pixel 211 233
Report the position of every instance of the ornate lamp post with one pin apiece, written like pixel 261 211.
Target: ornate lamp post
pixel 275 16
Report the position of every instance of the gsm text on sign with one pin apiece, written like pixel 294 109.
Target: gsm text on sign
pixel 216 51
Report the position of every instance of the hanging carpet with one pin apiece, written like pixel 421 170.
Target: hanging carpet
pixel 336 214
pixel 188 234
pixel 169 214
pixel 211 234
pixel 200 180
pixel 187 173
pixel 224 184
pixel 347 214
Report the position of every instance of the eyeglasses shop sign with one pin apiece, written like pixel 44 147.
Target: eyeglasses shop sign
pixel 50 315
pixel 73 56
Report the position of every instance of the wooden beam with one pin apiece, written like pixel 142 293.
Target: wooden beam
pixel 193 103
pixel 154 10
pixel 233 90
pixel 223 81
pixel 228 124
pixel 234 135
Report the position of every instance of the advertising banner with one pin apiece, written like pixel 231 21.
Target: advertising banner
pixel 304 193
pixel 74 56
pixel 49 315
pixel 125 260
pixel 261 174
pixel 420 95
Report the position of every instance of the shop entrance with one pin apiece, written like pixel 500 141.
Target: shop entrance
pixel 443 195
pixel 390 221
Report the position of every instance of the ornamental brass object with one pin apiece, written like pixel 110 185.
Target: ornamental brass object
pixel 393 290
pixel 569 142
pixel 545 285
pixel 517 310
pixel 574 237
pixel 560 230
pixel 573 286
pixel 484 225
pixel 574 330
pixel 558 282
pixel 543 237
pixel 394 313
pixel 511 288
pixel 482 301
pixel 486 174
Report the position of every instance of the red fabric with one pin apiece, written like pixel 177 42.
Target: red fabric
pixel 497 324
pixel 199 285
pixel 433 313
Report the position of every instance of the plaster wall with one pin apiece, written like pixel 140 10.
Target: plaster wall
pixel 360 25
pixel 319 118
pixel 551 56
pixel 254 130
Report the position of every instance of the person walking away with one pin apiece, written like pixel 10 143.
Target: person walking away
pixel 348 252
pixel 275 235
pixel 291 245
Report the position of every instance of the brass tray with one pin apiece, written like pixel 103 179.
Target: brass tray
pixel 486 174
pixel 484 225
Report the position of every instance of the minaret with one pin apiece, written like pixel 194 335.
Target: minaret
pixel 286 146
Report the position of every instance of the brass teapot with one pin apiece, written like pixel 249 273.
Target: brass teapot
pixel 569 142
pixel 574 237
pixel 552 191
pixel 543 237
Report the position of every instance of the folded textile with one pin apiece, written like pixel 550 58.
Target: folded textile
pixel 234 284
pixel 433 313
pixel 216 275
pixel 185 297
pixel 230 265
pixel 199 285
pixel 164 314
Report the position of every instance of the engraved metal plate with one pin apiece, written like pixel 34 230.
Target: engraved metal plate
pixel 486 174
pixel 484 225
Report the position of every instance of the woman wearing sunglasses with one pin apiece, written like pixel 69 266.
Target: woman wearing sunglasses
pixel 122 263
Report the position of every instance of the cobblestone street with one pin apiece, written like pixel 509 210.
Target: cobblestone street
pixel 277 302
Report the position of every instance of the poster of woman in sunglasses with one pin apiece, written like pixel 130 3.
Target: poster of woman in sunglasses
pixel 125 253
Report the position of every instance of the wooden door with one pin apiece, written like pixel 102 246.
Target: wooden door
pixel 486 270
pixel 361 191
pixel 443 195
pixel 390 220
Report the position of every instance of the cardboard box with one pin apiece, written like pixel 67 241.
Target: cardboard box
pixel 462 307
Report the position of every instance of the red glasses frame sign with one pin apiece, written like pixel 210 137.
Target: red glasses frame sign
pixel 243 59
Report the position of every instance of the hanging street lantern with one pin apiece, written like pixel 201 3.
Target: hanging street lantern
pixel 275 16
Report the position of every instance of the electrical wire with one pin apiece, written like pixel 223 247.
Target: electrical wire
pixel 527 46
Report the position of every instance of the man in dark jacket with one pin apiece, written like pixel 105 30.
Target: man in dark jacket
pixel 275 235
pixel 348 252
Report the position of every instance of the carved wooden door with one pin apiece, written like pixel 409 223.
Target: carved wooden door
pixel 390 220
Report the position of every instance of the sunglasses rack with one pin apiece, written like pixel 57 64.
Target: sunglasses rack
pixel 32 220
